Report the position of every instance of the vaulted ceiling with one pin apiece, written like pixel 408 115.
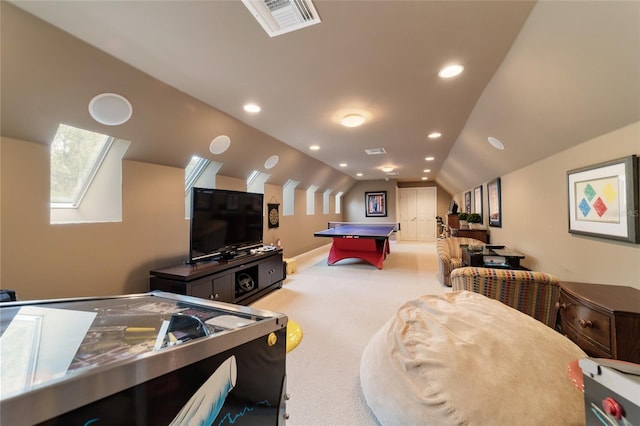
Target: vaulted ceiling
pixel 540 77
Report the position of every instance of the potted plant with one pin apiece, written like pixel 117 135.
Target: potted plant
pixel 462 218
pixel 474 220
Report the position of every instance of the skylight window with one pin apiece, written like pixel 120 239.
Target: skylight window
pixel 256 181
pixel 76 156
pixel 193 171
pixel 325 200
pixel 288 197
pixel 338 201
pixel 311 199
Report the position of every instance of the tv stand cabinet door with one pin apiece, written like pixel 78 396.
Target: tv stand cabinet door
pixel 213 287
pixel 223 290
pixel 271 271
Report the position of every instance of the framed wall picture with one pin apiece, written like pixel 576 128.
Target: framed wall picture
pixel 494 203
pixel 375 204
pixel 477 202
pixel 603 200
pixel 467 202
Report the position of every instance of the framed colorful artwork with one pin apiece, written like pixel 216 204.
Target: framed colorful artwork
pixel 603 200
pixel 494 203
pixel 375 204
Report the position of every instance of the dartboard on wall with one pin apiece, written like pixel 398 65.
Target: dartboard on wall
pixel 274 215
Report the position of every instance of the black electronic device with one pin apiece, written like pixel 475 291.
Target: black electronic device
pixel 224 223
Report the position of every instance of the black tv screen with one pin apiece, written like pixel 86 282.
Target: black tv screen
pixel 224 222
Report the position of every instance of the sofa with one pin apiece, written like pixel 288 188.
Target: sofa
pixel 450 255
pixel 536 294
pixel 464 359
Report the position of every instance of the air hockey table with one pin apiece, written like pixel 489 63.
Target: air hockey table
pixel 365 241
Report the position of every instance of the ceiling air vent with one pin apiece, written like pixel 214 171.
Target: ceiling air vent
pixel 283 16
pixel 375 151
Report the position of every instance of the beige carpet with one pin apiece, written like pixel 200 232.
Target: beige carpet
pixel 339 308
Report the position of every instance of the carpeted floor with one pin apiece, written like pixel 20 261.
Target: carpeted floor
pixel 339 308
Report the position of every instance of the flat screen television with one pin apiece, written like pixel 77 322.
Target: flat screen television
pixel 224 223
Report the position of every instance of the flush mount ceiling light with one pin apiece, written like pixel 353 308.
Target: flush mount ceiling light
pixel 352 120
pixel 359 174
pixel 450 71
pixel 252 108
pixel 495 143
pixel 343 164
pixel 425 178
pixel 219 144
pixel 314 147
pixel 426 171
pixel 110 109
pixel 271 162
pixel 434 135
pixel 429 158
pixel 387 169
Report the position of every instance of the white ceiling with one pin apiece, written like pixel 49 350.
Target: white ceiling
pixel 540 77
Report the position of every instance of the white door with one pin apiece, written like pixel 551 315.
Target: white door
pixel 417 214
pixel 426 214
pixel 408 218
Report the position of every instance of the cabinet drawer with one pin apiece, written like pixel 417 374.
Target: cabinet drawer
pixel 589 346
pixel 588 322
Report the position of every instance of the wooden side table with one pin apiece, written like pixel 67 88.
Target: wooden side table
pixel 604 320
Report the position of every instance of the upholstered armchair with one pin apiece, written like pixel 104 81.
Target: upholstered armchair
pixel 450 255
pixel 533 293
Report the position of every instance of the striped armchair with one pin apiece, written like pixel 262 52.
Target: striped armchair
pixel 534 293
pixel 450 255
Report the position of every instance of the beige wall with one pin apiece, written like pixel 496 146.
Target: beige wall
pixel 42 261
pixel 354 200
pixel 535 221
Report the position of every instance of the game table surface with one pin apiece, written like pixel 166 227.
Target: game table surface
pixel 358 230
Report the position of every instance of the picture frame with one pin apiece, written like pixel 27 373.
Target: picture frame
pixel 467 202
pixel 603 200
pixel 477 202
pixel 375 204
pixel 494 203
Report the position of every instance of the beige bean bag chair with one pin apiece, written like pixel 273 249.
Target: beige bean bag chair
pixel 462 358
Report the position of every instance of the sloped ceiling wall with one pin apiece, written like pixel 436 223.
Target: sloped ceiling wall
pixel 49 77
pixel 572 74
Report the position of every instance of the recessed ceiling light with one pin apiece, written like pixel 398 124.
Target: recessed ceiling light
pixel 387 169
pixel 434 135
pixel 429 158
pixel 425 178
pixel 343 164
pixel 314 147
pixel 450 71
pixel 426 171
pixel 352 120
pixel 495 143
pixel 252 108
pixel 359 174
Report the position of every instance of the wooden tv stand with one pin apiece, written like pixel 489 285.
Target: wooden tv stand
pixel 240 281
